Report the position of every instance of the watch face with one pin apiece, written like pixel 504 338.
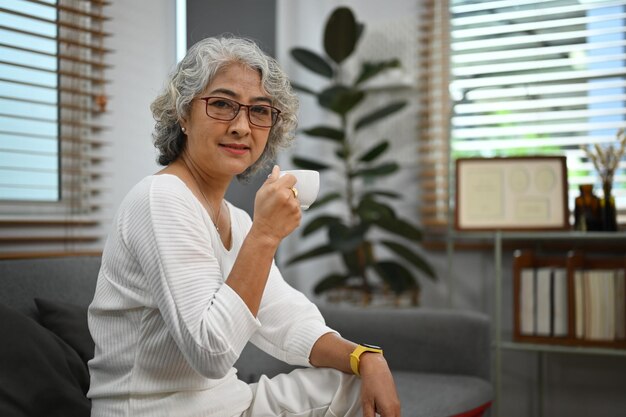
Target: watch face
pixel 370 346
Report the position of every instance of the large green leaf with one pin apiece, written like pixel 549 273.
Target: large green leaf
pixel 342 153
pixel 378 114
pixel 375 152
pixel 372 69
pixel 325 132
pixel 346 238
pixel 400 227
pixel 327 198
pixel 383 193
pixel 387 168
pixel 340 99
pixel 318 223
pixel 312 253
pixel 340 34
pixel 399 278
pixel 329 282
pixel 360 28
pixel 308 164
pixel 411 256
pixel 313 62
pixel 301 88
pixel 372 211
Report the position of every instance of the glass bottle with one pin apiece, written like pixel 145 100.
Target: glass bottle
pixel 609 214
pixel 587 210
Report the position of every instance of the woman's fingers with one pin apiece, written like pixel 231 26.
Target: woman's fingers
pixel 276 209
pixel 273 176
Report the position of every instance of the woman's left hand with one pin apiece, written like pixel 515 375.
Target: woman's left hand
pixel 378 390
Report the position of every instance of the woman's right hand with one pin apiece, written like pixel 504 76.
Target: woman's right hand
pixel 276 210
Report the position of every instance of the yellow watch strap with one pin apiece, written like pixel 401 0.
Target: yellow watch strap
pixel 355 356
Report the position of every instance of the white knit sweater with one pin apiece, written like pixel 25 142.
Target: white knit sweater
pixel 166 327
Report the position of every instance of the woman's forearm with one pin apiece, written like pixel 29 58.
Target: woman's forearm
pixel 332 351
pixel 251 269
pixel 276 214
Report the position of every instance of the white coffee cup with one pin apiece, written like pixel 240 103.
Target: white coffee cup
pixel 307 185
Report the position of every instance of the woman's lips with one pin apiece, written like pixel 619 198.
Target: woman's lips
pixel 235 149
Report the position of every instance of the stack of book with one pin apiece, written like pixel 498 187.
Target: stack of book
pixel 600 310
pixel 573 300
pixel 543 302
pixel 599 303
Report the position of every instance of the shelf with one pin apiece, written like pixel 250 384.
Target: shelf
pixel 536 347
pixel 565 235
pixel 562 241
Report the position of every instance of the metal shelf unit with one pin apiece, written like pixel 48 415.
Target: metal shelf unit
pixel 499 343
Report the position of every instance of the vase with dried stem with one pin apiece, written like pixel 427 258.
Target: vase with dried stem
pixel 606 162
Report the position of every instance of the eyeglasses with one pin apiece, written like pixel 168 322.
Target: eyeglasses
pixel 259 115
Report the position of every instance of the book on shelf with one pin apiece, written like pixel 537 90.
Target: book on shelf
pixel 579 304
pixel 543 301
pixel 599 300
pixel 543 297
pixel 607 298
pixel 620 305
pixel 527 301
pixel 560 320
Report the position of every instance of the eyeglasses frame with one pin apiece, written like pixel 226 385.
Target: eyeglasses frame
pixel 273 110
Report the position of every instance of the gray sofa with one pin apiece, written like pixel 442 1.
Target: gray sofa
pixel 440 358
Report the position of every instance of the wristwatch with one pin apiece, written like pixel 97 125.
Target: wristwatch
pixel 355 356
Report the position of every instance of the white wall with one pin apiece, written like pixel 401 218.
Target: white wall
pixel 143 42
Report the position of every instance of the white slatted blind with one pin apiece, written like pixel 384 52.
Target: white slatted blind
pixel 52 91
pixel 539 77
pixel 434 124
pixel 532 77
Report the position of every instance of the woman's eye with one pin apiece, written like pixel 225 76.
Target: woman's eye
pixel 221 104
pixel 260 110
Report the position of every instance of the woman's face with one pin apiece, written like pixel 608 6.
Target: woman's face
pixel 227 148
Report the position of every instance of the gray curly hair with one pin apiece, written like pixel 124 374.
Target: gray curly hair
pixel 196 70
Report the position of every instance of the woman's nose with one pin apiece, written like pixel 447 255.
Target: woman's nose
pixel 240 125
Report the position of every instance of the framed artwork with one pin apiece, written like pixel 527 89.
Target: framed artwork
pixel 516 193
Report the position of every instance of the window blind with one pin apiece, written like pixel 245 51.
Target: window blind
pixel 52 92
pixel 434 121
pixel 533 77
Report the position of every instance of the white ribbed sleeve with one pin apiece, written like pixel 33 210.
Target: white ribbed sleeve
pixel 208 321
pixel 162 317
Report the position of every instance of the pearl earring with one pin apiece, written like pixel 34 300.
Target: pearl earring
pixel 184 130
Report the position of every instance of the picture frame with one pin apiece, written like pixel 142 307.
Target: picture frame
pixel 512 194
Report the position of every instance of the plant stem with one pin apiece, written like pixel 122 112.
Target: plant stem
pixel 362 250
pixel 362 256
pixel 347 153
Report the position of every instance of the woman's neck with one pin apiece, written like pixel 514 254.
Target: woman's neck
pixel 212 188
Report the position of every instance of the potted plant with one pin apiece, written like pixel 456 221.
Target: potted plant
pixel 370 222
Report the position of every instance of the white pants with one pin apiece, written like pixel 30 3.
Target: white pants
pixel 314 392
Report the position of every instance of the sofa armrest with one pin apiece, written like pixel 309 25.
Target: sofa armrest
pixel 419 339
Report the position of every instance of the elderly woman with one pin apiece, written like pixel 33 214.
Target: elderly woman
pixel 187 279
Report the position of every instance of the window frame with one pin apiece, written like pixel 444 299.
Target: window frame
pixel 72 223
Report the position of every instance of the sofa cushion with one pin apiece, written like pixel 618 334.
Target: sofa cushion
pixel 439 395
pixel 69 322
pixel 41 375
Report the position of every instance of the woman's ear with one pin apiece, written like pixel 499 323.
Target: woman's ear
pixel 182 123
